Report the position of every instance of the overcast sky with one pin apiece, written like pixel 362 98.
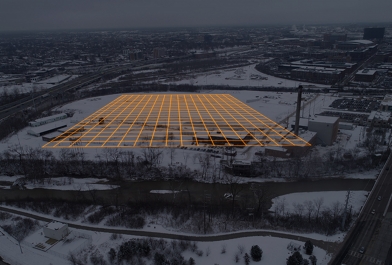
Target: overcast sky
pixel 90 14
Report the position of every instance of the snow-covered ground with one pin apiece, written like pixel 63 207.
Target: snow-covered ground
pixel 241 76
pixel 357 199
pixel 274 249
pixel 38 86
pixel 276 106
pixel 63 183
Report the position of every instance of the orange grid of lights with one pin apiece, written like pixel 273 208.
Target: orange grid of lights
pixel 170 120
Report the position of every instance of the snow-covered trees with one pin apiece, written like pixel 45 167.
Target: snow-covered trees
pixel 308 247
pixel 313 260
pixel 295 259
pixel 246 259
pixel 256 253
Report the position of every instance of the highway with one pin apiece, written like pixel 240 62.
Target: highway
pixel 369 240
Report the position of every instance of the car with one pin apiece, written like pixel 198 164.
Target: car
pixel 373 211
pixel 228 195
pixel 362 250
pixel 379 198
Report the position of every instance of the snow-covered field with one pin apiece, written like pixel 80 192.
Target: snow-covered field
pixel 329 198
pixel 274 250
pixel 38 86
pixel 63 183
pixel 242 76
pixel 276 106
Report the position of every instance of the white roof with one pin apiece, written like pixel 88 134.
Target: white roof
pixel 303 122
pixel 360 41
pixel 325 119
pixel 54 225
pixel 366 72
pixel 379 115
pixel 241 162
pixel 276 148
pixel 50 117
pixel 306 135
pixel 46 127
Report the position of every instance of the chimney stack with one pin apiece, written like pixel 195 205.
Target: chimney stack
pixel 296 129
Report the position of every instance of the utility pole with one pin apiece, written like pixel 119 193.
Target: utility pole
pixel 345 210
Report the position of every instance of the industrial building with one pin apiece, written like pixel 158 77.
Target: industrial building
pixel 326 127
pixel 386 103
pixel 373 33
pixel 318 74
pixel 366 75
pixel 164 120
pixel 45 129
pixel 56 230
pixel 48 119
pixel 241 167
pixel 379 119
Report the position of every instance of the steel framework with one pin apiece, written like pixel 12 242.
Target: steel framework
pixel 172 120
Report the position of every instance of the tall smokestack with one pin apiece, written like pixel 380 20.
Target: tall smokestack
pixel 296 129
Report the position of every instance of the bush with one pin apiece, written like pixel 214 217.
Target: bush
pixel 236 258
pixel 112 255
pixel 313 260
pixel 309 247
pixel 223 250
pixel 159 259
pixel 199 253
pixel 256 253
pixel 295 259
pixel 191 261
pixel 246 259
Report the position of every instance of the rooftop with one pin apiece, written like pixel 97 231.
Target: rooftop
pixel 165 120
pixel 54 225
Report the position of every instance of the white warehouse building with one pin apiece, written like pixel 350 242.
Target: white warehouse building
pixel 326 127
pixel 49 119
pixel 56 230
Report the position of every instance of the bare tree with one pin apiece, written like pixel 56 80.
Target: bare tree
pixel 152 157
pixel 262 197
pixel 318 203
pixel 236 187
pixel 309 208
pixel 205 163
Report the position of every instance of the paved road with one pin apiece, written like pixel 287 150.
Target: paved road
pixel 373 229
pixel 329 246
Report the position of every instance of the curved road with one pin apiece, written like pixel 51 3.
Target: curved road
pixel 329 246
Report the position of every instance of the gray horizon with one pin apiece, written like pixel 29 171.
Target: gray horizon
pixel 16 15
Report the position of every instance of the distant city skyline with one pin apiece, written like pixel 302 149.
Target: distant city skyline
pixel 108 14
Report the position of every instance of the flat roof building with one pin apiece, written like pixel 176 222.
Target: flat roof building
pixel 164 120
pixel 326 128
pixel 55 230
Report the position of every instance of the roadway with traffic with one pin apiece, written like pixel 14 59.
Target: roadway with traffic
pixel 369 240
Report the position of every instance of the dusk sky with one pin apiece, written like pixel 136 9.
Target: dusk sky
pixel 90 14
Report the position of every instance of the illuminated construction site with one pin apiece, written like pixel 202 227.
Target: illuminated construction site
pixel 175 120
